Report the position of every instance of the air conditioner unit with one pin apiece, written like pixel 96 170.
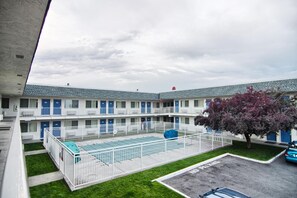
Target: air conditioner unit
pixel 27 113
pixel 71 113
pixel 91 112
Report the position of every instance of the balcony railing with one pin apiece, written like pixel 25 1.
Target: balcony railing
pixel 119 129
pixel 104 111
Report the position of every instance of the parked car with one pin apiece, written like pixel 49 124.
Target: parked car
pixel 223 192
pixel 291 152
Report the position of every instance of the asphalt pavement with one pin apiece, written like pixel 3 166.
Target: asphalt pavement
pixel 275 180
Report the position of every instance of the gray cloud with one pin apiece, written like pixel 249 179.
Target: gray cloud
pixel 153 45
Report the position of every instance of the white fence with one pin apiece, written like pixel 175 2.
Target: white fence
pixel 106 130
pixel 94 166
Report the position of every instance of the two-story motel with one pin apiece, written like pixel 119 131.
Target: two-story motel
pixel 67 110
pixel 26 110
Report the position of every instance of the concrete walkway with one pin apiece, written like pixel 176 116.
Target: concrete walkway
pixel 35 152
pixel 45 178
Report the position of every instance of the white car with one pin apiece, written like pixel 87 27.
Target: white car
pixel 223 193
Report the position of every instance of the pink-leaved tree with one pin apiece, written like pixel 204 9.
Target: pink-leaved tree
pixel 251 113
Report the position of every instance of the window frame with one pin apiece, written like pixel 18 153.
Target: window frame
pixel 5 104
pixel 72 126
pixel 93 124
pixel 136 104
pixel 70 105
pixel 29 126
pixel 93 104
pixel 32 103
pixel 121 104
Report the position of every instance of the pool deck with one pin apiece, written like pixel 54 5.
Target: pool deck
pixel 90 170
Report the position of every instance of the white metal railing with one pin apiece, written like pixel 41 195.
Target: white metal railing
pixel 94 166
pixel 120 129
pixel 46 111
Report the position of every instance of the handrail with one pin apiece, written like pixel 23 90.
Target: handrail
pixel 14 182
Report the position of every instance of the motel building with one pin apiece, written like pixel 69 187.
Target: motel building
pixel 53 114
pixel 75 112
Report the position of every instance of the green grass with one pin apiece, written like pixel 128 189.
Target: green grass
pixel 39 164
pixel 140 185
pixel 33 146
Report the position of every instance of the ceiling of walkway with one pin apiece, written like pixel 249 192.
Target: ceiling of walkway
pixel 21 23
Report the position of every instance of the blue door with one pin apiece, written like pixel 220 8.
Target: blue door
pixel 45 103
pixel 57 106
pixel 286 136
pixel 148 107
pixel 207 102
pixel 103 107
pixel 110 125
pixel 176 106
pixel 176 122
pixel 57 128
pixel 142 107
pixel 271 136
pixel 111 107
pixel 102 125
pixel 149 124
pixel 43 125
pixel 209 129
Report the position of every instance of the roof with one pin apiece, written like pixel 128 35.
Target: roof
pixel 70 92
pixel 289 85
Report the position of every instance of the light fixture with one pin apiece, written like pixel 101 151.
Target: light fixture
pixel 19 56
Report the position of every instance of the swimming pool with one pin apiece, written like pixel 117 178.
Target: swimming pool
pixel 128 149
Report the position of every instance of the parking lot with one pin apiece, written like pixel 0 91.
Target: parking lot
pixel 278 179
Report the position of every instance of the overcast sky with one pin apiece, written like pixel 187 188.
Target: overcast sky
pixel 152 45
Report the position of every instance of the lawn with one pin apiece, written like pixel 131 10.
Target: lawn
pixel 140 185
pixel 33 146
pixel 39 164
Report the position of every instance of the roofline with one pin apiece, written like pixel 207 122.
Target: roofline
pixel 229 85
pixel 33 84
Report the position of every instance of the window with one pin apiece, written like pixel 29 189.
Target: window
pixel 28 103
pixel 71 124
pixel 28 127
pixel 121 122
pixel 121 104
pixel 91 123
pixel 5 103
pixel 134 105
pixel 91 104
pixel 187 120
pixel 186 103
pixel 198 103
pixel 156 105
pixel 133 121
pixel 71 104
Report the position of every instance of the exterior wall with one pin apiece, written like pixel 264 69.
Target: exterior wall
pixel 82 113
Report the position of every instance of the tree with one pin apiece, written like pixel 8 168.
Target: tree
pixel 251 113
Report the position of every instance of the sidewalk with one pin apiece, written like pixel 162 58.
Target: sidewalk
pixel 35 152
pixel 45 178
